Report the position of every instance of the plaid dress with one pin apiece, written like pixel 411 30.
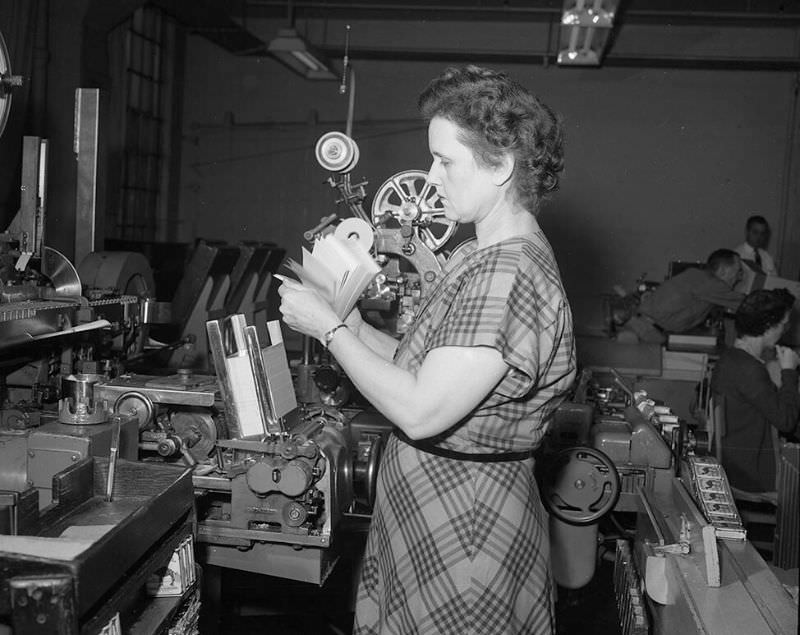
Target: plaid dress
pixel 459 546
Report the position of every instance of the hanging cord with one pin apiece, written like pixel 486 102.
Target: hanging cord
pixel 346 61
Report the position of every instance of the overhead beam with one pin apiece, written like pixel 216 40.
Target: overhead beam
pixel 627 61
pixel 706 14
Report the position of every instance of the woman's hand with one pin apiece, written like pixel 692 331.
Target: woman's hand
pixel 305 311
pixel 787 358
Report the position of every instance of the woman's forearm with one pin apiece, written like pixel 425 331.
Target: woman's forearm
pixel 383 344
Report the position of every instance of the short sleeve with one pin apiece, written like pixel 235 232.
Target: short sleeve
pixel 507 304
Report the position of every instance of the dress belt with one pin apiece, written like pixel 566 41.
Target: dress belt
pixel 426 446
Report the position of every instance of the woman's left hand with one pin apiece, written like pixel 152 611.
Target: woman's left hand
pixel 305 311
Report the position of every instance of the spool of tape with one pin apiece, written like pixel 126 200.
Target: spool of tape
pixel 356 229
pixel 336 152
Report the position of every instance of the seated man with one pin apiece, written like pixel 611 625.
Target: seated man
pixel 685 300
pixel 753 403
pixel 754 248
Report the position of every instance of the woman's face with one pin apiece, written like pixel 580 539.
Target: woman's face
pixel 467 189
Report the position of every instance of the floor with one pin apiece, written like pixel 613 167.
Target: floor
pixel 261 604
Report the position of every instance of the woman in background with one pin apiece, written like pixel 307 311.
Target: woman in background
pixel 458 539
pixel 754 405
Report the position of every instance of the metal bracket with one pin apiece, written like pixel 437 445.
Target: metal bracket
pixel 683 547
pixel 43 604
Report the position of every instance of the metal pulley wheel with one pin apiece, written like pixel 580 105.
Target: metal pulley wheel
pixel 580 485
pixel 408 199
pixel 197 430
pixel 137 405
pixel 115 273
pixel 336 152
pixel 8 82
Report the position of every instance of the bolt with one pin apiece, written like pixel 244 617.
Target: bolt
pixel 579 484
pixel 74 458
pixel 41 618
pixel 430 276
pixel 22 600
pixel 31 453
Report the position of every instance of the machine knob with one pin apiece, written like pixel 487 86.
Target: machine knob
pixel 169 446
pixel 294 514
pixel 296 478
pixel 260 477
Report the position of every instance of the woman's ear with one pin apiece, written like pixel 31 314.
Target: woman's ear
pixel 505 170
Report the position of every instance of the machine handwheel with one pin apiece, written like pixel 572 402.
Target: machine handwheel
pixel 408 198
pixel 580 485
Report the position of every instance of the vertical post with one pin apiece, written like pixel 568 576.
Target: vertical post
pixel 87 116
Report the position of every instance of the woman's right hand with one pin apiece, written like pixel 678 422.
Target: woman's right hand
pixel 787 358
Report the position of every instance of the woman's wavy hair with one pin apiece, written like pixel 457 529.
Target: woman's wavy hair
pixel 498 116
pixel 761 310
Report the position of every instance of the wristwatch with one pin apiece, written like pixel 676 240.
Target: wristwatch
pixel 327 338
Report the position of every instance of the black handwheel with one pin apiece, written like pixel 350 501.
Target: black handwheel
pixel 580 486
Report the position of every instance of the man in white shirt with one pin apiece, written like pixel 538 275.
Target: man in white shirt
pixel 754 247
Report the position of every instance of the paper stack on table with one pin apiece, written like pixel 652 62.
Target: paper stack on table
pixel 338 269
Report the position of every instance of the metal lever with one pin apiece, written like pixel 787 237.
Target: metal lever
pixel 112 457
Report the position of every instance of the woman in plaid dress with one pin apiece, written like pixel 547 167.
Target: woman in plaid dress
pixel 458 540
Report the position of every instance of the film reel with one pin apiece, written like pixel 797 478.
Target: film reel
pixel 408 198
pixel 336 152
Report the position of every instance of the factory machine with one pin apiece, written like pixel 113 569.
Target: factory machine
pixel 684 564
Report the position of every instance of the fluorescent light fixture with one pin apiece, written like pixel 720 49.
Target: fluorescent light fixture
pixel 585 29
pixel 300 56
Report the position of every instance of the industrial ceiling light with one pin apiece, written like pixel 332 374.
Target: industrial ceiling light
pixel 300 56
pixel 585 29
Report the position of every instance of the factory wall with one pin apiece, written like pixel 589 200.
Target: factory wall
pixel 662 164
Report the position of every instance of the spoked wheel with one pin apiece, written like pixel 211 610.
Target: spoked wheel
pixel 408 199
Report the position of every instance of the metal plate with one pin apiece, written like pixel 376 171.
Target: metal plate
pixel 61 272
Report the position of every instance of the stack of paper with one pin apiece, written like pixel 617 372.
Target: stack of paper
pixel 338 269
